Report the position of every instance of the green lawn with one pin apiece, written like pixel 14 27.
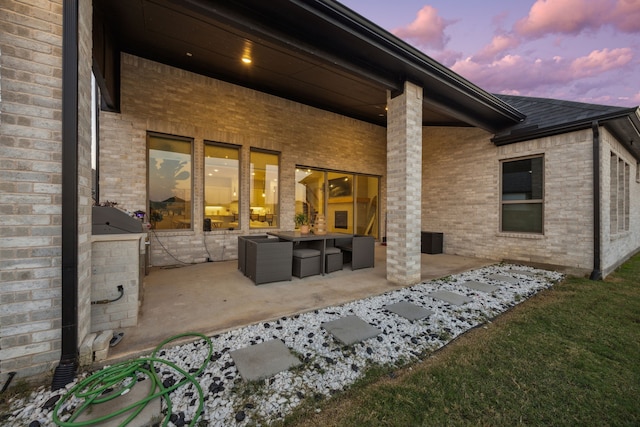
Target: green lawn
pixel 570 356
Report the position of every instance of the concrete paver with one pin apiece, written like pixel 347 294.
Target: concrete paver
pixel 479 286
pixel 450 297
pixel 503 278
pixel 350 329
pixel 408 310
pixel 149 416
pixel 263 360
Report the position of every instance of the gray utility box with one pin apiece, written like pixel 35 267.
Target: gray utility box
pixel 431 243
pixel 110 220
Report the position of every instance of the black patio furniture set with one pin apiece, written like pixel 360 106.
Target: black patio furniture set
pixel 279 256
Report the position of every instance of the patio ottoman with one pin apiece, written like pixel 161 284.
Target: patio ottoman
pixel 334 259
pixel 306 262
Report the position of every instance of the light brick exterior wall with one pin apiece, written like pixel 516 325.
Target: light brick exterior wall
pixel 30 168
pixel 30 201
pixel 159 98
pixel 115 262
pixel 617 247
pixel 85 201
pixel 404 173
pixel 461 196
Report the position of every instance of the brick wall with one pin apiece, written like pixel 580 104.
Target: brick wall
pixel 30 201
pixel 617 247
pixel 30 182
pixel 115 262
pixel 404 170
pixel 85 201
pixel 461 196
pixel 159 98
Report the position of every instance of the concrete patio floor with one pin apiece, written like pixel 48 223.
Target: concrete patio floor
pixel 214 297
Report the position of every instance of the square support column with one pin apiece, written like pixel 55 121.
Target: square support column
pixel 404 185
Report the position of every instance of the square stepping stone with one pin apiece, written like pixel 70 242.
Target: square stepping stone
pixel 350 329
pixel 450 297
pixel 503 278
pixel 151 412
pixel 263 360
pixel 479 286
pixel 523 273
pixel 408 310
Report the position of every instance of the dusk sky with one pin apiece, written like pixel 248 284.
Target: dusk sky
pixel 578 50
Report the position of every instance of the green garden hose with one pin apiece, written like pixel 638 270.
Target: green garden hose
pixel 116 380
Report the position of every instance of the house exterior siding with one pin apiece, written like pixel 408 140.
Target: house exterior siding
pixel 461 196
pixel 459 183
pixel 31 170
pixel 617 247
pixel 159 98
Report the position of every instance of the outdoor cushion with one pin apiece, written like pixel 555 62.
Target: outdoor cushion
pixel 305 253
pixel 331 250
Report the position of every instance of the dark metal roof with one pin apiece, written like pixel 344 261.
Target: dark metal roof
pixel 317 52
pixel 547 117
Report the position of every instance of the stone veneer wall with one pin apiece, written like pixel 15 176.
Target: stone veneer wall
pixel 30 200
pixel 159 98
pixel 617 247
pixel 461 194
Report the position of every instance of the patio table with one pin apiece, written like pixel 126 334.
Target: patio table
pixel 296 237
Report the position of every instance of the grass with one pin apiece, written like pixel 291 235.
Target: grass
pixel 568 356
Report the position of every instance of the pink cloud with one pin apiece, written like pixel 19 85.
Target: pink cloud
pixel 447 57
pixel 600 61
pixel 576 16
pixel 499 44
pixel 562 16
pixel 626 16
pixel 427 30
pixel 516 74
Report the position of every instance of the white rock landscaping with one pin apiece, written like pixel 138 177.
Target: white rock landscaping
pixel 327 366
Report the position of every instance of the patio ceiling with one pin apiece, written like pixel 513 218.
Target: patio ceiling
pixel 316 52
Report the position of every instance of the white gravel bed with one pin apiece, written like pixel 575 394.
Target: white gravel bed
pixel 327 366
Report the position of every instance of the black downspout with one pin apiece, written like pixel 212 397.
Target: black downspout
pixel 596 274
pixel 65 371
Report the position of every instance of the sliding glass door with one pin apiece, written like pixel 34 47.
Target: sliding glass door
pixel 348 201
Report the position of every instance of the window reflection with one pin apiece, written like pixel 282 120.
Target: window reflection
pixel 264 189
pixel 221 186
pixel 169 182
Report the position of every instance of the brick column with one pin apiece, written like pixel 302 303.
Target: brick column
pixel 404 185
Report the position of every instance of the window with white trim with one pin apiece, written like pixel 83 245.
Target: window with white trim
pixel 619 203
pixel 522 195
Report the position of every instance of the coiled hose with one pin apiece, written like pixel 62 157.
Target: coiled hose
pixel 116 380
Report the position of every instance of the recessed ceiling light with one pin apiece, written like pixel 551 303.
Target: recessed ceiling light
pixel 189 54
pixel 246 52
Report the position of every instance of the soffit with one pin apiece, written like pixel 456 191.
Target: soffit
pixel 331 59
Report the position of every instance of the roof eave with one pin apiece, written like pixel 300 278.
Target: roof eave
pixel 623 124
pixel 420 66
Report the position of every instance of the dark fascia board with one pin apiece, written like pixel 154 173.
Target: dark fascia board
pixel 623 124
pixel 406 54
pixel 397 62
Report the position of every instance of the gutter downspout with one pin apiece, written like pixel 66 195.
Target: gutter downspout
pixel 65 371
pixel 596 274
